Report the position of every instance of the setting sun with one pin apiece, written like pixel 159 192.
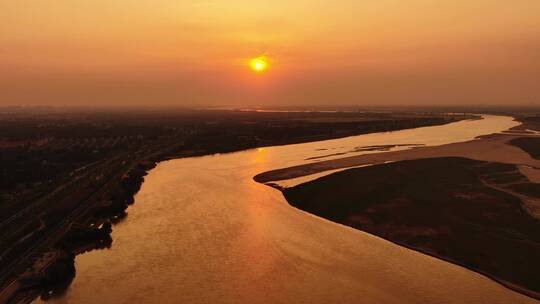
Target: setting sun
pixel 258 64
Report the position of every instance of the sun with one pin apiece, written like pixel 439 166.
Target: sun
pixel 259 64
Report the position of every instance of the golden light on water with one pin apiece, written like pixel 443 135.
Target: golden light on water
pixel 258 64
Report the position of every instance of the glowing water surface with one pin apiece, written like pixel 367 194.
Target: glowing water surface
pixel 202 231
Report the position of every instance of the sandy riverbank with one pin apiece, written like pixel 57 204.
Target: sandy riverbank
pixel 493 148
pixel 489 148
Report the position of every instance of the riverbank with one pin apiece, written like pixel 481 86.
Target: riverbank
pixel 490 148
pixel 456 209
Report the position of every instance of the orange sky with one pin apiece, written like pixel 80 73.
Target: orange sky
pixel 372 52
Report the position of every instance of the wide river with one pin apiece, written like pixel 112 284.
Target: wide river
pixel 202 231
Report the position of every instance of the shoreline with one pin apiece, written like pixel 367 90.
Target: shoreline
pixel 506 284
pixel 479 149
pixel 315 197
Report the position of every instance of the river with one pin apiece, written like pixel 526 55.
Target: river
pixel 202 231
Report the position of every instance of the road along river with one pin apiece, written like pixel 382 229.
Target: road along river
pixel 202 231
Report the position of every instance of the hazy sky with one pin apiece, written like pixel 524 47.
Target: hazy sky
pixel 174 52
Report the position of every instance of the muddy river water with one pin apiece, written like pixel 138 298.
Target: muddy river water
pixel 202 231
